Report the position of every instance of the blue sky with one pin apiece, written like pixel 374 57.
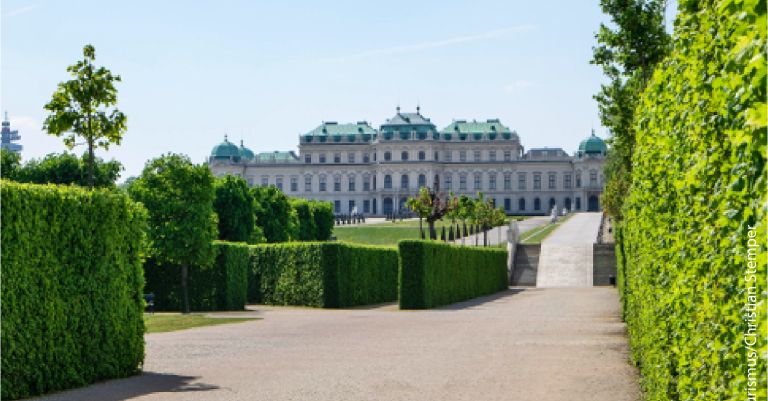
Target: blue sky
pixel 268 71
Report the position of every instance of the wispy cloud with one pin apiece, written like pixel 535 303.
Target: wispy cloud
pixel 518 86
pixel 21 10
pixel 387 51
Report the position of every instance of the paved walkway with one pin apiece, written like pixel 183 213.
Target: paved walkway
pixel 566 254
pixel 498 235
pixel 563 344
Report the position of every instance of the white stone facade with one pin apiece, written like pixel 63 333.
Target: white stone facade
pixel 375 177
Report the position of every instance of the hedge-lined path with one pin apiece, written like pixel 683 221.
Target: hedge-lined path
pixel 566 254
pixel 522 344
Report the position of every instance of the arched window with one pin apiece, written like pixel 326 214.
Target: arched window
pixel 422 180
pixel 422 155
pixel 404 181
pixel 536 204
pixel 404 155
pixel 387 181
pixel 521 204
pixel 387 156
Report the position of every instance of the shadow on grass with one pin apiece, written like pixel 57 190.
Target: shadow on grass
pixel 132 387
pixel 500 296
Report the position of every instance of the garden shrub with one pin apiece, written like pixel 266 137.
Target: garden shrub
pixel 698 184
pixel 71 287
pixel 222 286
pixel 326 275
pixel 434 274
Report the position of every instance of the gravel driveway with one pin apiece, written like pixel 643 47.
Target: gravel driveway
pixel 522 344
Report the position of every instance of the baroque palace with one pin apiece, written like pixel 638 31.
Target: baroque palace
pixel 364 170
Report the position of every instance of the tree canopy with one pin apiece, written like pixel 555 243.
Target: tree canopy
pixel 234 207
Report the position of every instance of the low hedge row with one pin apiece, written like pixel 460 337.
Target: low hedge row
pixel 71 287
pixel 434 274
pixel 222 286
pixel 326 275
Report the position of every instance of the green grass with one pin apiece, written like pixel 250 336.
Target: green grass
pixel 536 235
pixel 388 233
pixel 164 322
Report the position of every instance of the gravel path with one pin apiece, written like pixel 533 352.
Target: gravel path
pixel 523 344
pixel 566 254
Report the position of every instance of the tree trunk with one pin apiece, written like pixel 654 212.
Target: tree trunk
pixel 421 229
pixel 90 153
pixel 432 232
pixel 485 236
pixel 184 287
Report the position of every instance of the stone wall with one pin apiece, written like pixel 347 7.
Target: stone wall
pixel 603 263
pixel 526 265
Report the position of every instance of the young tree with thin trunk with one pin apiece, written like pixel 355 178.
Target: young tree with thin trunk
pixel 85 107
pixel 182 223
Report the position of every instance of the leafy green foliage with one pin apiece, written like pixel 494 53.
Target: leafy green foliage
pixel 274 214
pixel 326 275
pixel 222 285
pixel 307 229
pixel 433 274
pixel 628 53
pixel 72 287
pixel 698 184
pixel 322 213
pixel 66 168
pixel 182 225
pixel 9 164
pixel 234 207
pixel 81 107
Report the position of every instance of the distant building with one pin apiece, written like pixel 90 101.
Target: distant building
pixel 7 137
pixel 357 167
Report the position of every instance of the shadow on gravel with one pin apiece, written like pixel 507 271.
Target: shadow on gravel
pixel 131 387
pixel 479 301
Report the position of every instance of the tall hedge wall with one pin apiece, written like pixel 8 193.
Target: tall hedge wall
pixel 698 186
pixel 434 274
pixel 222 286
pixel 322 274
pixel 71 287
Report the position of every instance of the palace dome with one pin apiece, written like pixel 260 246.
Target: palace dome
pixel 226 150
pixel 593 145
pixel 245 153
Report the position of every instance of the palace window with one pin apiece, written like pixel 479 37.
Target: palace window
pixel 366 158
pixel 264 181
pixel 352 207
pixel 307 183
pixel 337 206
pixel 567 181
pixel 422 155
pixel 492 155
pixel 593 178
pixel 322 183
pixel 536 181
pixel 537 204
pixel 507 182
pixel 337 183
pixel 521 184
pixel 477 181
pixel 308 158
pixel 404 181
pixel 404 155
pixel 436 157
pixel 366 206
pixel 448 155
pixel 387 181
pixel 337 157
pixel 551 184
pixel 463 182
pixel 578 179
pixel 476 155
pixel 351 157
pixel 322 157
pixel 351 183
pixel 521 204
pixel 448 182
pixel 387 156
pixel 507 204
pixel 279 183
pixel 492 181
pixel 422 180
pixel 366 183
pixel 463 155
pixel 294 184
pixel 507 155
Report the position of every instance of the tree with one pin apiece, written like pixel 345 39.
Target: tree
pixel 11 161
pixel 322 213
pixel 274 214
pixel 628 55
pixel 234 207
pixel 84 107
pixel 66 168
pixel 307 230
pixel 422 206
pixel 182 223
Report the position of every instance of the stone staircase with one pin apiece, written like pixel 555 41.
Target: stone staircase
pixel 526 265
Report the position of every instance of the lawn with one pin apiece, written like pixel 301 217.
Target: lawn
pixel 164 322
pixel 386 233
pixel 536 235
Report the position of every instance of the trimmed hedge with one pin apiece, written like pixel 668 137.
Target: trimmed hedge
pixel 223 286
pixel 71 287
pixel 698 184
pixel 434 274
pixel 328 275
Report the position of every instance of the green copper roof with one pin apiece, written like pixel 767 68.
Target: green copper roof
pixel 331 128
pixel 245 153
pixel 593 145
pixel 225 150
pixel 491 129
pixel 276 157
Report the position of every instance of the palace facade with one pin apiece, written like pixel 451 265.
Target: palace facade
pixel 361 169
